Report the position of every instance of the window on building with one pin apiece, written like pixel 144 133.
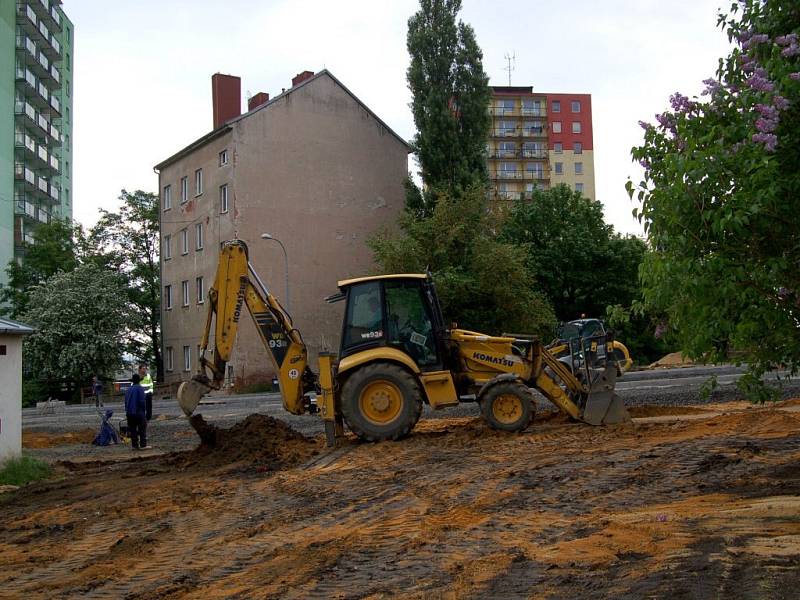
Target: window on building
pixel 507 107
pixel 184 241
pixel 507 127
pixel 198 236
pixel 532 107
pixel 223 157
pixel 223 198
pixel 531 149
pixel 529 187
pixel 556 106
pixel 535 169
pixel 576 127
pixel 187 358
pixel 167 247
pixel 556 126
pixel 578 168
pixel 507 149
pixel 198 182
pixel 508 170
pixel 66 141
pixel 169 358
pixel 559 168
pixel 577 148
pixel 185 293
pixel 166 200
pixel 184 189
pixel 201 294
pixel 576 106
pixel 558 147
pixel 168 297
pixel 579 187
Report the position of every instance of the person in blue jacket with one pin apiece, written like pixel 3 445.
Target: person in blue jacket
pixel 135 413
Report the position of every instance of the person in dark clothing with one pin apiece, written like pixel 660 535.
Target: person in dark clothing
pixel 97 390
pixel 135 413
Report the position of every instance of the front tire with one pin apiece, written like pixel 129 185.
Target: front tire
pixel 508 406
pixel 381 401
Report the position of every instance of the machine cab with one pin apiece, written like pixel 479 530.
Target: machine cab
pixel 397 311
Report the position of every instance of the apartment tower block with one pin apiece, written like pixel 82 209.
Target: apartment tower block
pixel 539 140
pixel 36 50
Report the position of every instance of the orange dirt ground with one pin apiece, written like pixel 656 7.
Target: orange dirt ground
pixel 694 508
pixel 43 439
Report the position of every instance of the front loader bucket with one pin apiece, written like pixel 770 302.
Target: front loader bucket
pixel 603 406
pixel 190 393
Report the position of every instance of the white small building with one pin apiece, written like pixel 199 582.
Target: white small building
pixel 11 334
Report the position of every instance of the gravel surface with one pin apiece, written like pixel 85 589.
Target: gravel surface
pixel 170 431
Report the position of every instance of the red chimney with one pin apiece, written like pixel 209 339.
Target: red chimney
pixel 301 77
pixel 226 96
pixel 257 100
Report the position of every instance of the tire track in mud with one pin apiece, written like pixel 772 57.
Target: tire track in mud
pixel 562 510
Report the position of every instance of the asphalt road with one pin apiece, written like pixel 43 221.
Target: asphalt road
pixel 667 387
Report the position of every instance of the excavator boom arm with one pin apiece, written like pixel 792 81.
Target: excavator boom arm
pixel 237 288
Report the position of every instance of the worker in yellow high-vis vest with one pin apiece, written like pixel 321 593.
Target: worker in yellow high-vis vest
pixel 147 384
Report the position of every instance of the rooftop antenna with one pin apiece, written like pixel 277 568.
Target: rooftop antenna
pixel 511 61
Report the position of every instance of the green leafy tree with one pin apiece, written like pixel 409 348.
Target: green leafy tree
pixel 55 249
pixel 450 100
pixel 720 199
pixel 483 283
pixel 579 263
pixel 127 241
pixel 81 321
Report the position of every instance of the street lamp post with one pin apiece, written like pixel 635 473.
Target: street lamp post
pixel 267 236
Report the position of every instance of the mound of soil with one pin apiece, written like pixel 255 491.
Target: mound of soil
pixel 259 440
pixel 674 359
pixel 660 411
pixel 44 439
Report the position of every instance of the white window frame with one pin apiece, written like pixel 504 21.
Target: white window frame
pixel 198 182
pixel 184 241
pixel 166 200
pixel 198 282
pixel 575 103
pixel 578 168
pixel 223 198
pixel 558 147
pixel 559 168
pixel 577 148
pixel 187 358
pixel 223 158
pixel 167 247
pixel 576 127
pixel 579 187
pixel 198 236
pixel 556 107
pixel 556 126
pixel 185 292
pixel 169 358
pixel 184 188
pixel 168 297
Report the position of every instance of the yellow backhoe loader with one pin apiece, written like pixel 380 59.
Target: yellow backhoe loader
pixel 396 354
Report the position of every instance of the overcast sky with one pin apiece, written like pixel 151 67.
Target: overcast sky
pixel 143 70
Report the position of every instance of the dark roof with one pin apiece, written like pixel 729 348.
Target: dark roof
pixel 227 126
pixel 14 327
pixel 512 89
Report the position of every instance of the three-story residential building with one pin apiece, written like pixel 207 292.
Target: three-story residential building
pixel 313 167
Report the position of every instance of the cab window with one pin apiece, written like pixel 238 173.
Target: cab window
pixel 364 319
pixel 408 322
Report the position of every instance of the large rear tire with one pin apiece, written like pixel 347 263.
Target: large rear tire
pixel 508 406
pixel 381 401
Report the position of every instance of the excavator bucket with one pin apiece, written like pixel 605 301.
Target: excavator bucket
pixel 190 393
pixel 603 406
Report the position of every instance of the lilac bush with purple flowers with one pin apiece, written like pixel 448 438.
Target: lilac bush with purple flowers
pixel 720 199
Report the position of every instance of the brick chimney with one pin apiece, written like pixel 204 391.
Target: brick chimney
pixel 257 100
pixel 301 77
pixel 226 96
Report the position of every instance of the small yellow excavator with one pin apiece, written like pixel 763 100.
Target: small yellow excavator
pixel 396 354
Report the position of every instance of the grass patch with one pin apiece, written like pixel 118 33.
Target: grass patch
pixel 22 470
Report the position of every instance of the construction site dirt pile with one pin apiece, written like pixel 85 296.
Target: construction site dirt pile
pixel 44 439
pixel 257 440
pixel 694 507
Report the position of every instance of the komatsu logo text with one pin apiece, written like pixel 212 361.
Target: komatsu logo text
pixel 492 359
pixel 239 299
